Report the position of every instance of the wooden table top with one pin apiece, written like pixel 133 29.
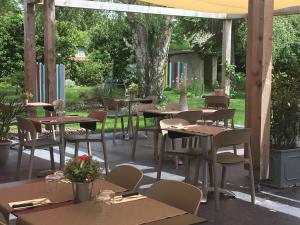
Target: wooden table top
pixel 133 100
pixel 56 120
pixel 199 130
pixel 174 112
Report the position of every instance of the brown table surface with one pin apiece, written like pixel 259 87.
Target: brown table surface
pixel 56 120
pixel 142 211
pixel 174 112
pixel 200 130
pixel 134 100
pixel 26 190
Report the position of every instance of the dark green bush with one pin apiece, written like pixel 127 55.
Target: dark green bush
pixel 285 99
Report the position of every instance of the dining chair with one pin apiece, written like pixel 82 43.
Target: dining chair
pixel 53 109
pixel 90 138
pixel 28 140
pixel 125 176
pixel 221 115
pixel 155 129
pixel 186 151
pixel 114 106
pixel 153 98
pixel 177 194
pixel 2 220
pixel 217 102
pixel 191 116
pixel 225 159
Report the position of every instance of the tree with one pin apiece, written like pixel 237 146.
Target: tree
pixel 151 37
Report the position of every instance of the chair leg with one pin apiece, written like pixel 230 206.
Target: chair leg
pixel 197 170
pixel 135 137
pixel 115 129
pixel 21 148
pixel 161 156
pixel 145 125
pixel 76 148
pixel 156 146
pixel 105 157
pixel 30 163
pixel 122 126
pixel 234 150
pixel 53 132
pixel 89 148
pixel 52 158
pixel 251 180
pixel 223 176
pixel 215 182
pixel 187 168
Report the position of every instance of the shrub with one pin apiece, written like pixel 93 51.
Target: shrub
pixel 70 83
pixel 285 100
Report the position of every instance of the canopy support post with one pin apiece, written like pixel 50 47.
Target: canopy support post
pixel 258 83
pixel 50 50
pixel 29 48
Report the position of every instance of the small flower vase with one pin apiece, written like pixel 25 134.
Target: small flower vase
pixel 183 102
pixel 82 191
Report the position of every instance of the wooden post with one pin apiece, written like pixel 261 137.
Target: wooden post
pixel 29 48
pixel 214 70
pixel 258 84
pixel 49 50
pixel 226 53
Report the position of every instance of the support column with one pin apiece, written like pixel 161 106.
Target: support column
pixel 258 83
pixel 214 70
pixel 29 48
pixel 49 50
pixel 226 53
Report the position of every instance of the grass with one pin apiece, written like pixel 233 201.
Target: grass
pixel 171 96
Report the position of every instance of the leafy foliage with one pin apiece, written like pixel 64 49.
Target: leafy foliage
pixel 82 169
pixel 10 107
pixel 285 100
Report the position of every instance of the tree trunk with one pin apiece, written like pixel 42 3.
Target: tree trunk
pixel 151 55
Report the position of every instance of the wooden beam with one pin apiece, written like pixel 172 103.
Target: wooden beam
pixel 49 50
pixel 143 9
pixel 287 11
pixel 226 53
pixel 29 48
pixel 33 1
pixel 258 83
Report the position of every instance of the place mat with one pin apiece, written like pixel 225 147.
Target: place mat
pixel 120 199
pixel 20 205
pixel 186 219
pixel 34 190
pixel 130 213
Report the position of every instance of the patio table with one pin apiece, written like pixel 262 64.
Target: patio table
pixel 206 133
pixel 33 189
pixel 61 121
pixel 130 102
pixel 134 212
pixel 172 113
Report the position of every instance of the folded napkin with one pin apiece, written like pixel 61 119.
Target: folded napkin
pixel 29 203
pixel 120 199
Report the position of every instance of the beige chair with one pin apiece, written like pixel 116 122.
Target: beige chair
pixel 217 102
pixel 186 151
pixel 89 138
pixel 190 116
pixel 28 140
pixel 113 106
pixel 225 139
pixel 221 115
pixel 155 129
pixel 177 194
pixel 125 176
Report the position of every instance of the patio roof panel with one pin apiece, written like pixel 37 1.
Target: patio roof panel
pixel 217 6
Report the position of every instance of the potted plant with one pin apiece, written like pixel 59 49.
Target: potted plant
pixel 10 107
pixel 285 128
pixel 133 89
pixel 219 91
pixel 27 95
pixel 82 172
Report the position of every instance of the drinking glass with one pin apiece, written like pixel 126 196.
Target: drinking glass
pixel 52 185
